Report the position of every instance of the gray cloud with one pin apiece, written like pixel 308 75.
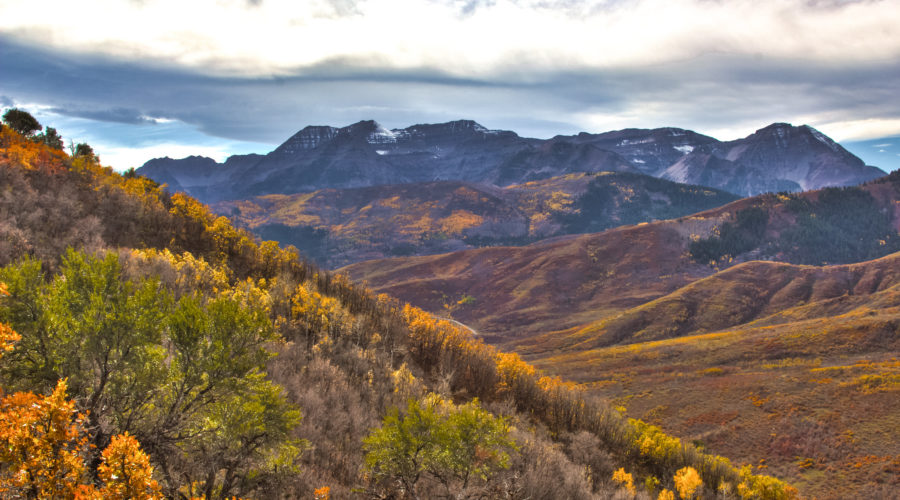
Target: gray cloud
pixel 716 91
pixel 116 115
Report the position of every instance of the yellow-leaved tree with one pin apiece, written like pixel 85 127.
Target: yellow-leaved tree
pixel 688 483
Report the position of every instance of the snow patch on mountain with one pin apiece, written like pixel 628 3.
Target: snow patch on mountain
pixel 382 135
pixel 822 138
pixel 631 142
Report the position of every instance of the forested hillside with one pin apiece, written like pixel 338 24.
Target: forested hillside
pixel 563 282
pixel 338 227
pixel 159 351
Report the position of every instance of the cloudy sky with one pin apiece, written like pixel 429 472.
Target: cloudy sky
pixel 144 78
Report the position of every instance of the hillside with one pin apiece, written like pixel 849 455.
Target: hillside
pixel 337 227
pixel 759 293
pixel 563 282
pixel 676 322
pixel 242 370
pixel 553 284
pixel 797 364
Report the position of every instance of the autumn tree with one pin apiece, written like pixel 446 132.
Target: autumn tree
pixel 688 483
pixel 42 445
pixel 126 472
pixel 44 452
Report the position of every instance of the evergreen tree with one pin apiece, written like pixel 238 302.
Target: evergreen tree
pixel 21 121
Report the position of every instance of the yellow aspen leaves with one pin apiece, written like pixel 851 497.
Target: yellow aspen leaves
pixel 688 483
pixel 625 479
pixel 126 471
pixel 41 445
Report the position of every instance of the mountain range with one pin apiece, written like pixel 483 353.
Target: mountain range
pixel 779 157
pixel 362 192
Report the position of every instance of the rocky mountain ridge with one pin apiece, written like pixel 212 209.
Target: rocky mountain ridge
pixel 779 157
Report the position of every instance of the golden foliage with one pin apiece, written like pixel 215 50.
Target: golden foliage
pixel 28 154
pixel 41 445
pixel 459 221
pixel 318 312
pixel 877 382
pixel 763 487
pixel 666 495
pixel 625 479
pixel 688 483
pixel 323 493
pixel 126 471
pixel 7 338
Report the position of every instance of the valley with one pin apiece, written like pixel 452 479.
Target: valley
pixel 791 368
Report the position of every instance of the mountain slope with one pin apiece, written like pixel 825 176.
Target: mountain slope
pixel 708 170
pixel 798 154
pixel 796 363
pixel 560 283
pixel 650 150
pixel 756 293
pixel 549 285
pixel 778 157
pixel 340 227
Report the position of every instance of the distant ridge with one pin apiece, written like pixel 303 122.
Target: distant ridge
pixel 779 157
pixel 559 283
